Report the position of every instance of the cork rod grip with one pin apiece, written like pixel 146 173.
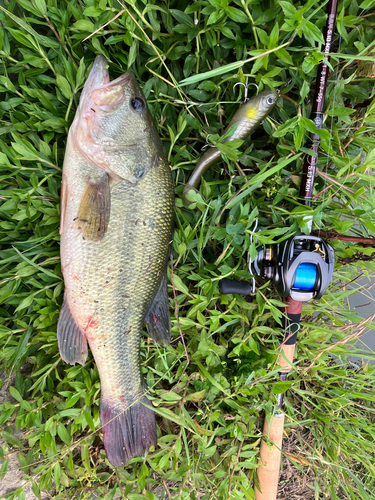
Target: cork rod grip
pixel 270 456
pixel 288 353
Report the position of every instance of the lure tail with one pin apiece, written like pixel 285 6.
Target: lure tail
pixel 128 429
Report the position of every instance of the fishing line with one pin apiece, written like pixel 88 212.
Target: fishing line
pixel 305 276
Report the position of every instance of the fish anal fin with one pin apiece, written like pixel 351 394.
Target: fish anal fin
pixel 71 339
pixel 158 320
pixel 128 430
pixel 94 210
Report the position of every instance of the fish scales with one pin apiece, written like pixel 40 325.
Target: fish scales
pixel 112 284
pixel 114 265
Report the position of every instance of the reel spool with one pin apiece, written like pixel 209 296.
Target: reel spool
pixel 300 267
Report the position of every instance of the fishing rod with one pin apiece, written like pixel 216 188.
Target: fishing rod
pixel 301 267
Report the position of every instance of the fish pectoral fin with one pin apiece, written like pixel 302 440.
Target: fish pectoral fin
pixel 158 320
pixel 71 339
pixel 94 210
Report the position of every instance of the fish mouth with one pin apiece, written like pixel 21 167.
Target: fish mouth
pixel 98 77
pixel 122 80
pixel 98 88
pixel 100 97
pixel 105 94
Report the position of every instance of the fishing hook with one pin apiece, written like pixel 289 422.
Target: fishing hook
pixel 246 98
pixel 246 86
pixel 208 144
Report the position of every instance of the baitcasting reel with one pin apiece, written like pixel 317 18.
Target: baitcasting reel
pixel 300 267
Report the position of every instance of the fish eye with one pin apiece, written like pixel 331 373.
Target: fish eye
pixel 270 100
pixel 137 104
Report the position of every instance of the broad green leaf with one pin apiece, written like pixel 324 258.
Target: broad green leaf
pixel 64 86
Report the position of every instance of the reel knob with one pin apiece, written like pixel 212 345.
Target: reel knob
pixel 228 286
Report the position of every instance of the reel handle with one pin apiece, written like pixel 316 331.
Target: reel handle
pixel 233 286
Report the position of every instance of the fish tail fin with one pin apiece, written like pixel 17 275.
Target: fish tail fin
pixel 129 430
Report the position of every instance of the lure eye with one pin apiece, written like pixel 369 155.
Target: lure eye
pixel 137 104
pixel 270 100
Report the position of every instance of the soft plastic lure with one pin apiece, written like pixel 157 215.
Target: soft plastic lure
pixel 248 117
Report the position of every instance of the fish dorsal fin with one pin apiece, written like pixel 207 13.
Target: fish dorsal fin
pixel 158 320
pixel 94 210
pixel 71 339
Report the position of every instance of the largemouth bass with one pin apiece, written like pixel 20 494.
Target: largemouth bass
pixel 248 117
pixel 117 212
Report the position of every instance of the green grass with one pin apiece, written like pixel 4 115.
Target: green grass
pixel 211 400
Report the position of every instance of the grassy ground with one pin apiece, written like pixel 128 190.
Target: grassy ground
pixel 211 398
